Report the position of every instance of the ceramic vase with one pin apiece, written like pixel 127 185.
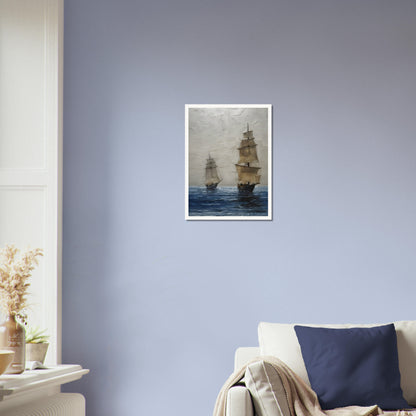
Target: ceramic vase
pixel 12 337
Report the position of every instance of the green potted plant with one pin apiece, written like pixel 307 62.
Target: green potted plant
pixel 37 343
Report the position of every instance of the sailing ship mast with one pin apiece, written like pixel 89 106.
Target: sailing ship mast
pixel 212 178
pixel 248 176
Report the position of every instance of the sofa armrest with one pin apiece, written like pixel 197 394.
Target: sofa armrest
pixel 239 402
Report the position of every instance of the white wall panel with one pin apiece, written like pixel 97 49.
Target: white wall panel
pixel 23 223
pixel 22 209
pixel 31 40
pixel 22 71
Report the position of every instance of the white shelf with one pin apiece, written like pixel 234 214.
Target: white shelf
pixel 38 381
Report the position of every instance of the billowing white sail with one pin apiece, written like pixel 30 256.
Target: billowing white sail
pixel 247 166
pixel 212 178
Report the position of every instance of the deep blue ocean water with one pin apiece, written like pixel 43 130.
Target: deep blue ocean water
pixel 227 201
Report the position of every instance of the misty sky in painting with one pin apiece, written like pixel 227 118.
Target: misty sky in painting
pixel 218 132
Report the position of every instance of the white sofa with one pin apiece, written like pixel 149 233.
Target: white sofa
pixel 280 340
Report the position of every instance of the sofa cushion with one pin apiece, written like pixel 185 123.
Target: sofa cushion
pixel 266 390
pixel 355 366
pixel 280 340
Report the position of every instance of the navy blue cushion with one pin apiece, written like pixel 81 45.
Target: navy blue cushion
pixel 356 366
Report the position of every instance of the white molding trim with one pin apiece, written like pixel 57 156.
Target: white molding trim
pixel 53 157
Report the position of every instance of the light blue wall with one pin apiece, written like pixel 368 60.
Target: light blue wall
pixel 154 305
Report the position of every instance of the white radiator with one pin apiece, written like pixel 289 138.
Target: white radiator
pixel 61 404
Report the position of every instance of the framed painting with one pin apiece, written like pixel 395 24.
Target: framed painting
pixel 228 162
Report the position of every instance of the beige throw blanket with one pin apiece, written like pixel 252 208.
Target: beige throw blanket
pixel 302 400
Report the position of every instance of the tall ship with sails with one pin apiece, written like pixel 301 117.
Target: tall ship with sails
pixel 212 178
pixel 248 163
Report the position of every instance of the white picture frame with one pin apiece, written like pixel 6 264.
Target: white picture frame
pixel 228 162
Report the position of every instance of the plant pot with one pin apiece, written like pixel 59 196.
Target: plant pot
pixel 36 352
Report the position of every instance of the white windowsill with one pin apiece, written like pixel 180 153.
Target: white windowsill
pixel 37 383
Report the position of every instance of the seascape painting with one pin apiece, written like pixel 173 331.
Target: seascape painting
pixel 228 162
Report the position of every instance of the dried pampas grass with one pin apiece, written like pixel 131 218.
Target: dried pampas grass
pixel 15 271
